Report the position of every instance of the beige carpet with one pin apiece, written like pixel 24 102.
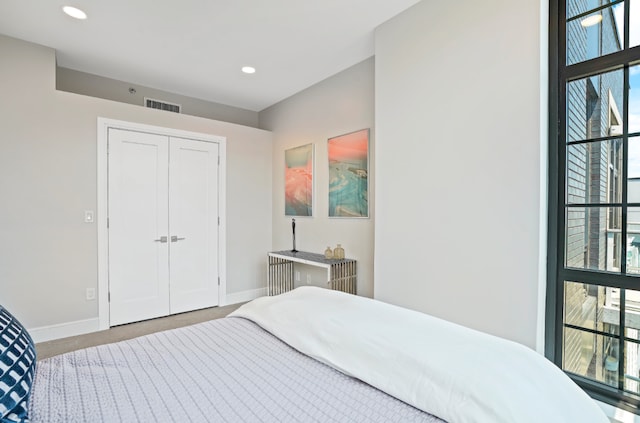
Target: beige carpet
pixel 131 330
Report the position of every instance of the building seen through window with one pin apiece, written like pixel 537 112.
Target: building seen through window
pixel 597 279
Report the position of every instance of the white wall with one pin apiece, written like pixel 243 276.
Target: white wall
pixel 48 256
pixel 459 163
pixel 340 104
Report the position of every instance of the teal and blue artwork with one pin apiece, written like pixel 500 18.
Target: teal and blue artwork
pixel 349 175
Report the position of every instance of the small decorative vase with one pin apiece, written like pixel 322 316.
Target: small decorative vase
pixel 338 252
pixel 328 254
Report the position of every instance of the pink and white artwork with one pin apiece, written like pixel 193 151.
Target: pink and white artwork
pixel 298 181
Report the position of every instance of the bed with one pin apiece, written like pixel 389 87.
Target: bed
pixel 310 355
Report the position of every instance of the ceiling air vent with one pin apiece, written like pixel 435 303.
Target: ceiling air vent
pixel 161 105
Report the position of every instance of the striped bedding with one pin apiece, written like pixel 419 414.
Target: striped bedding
pixel 226 370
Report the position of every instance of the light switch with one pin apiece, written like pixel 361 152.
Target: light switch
pixel 88 216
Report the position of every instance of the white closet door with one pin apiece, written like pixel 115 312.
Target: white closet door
pixel 193 224
pixel 138 216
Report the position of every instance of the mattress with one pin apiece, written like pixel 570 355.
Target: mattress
pixel 225 370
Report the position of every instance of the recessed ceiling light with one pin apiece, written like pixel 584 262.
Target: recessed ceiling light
pixel 74 12
pixel 248 69
pixel 591 20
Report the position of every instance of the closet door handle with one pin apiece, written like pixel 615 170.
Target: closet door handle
pixel 174 238
pixel 162 239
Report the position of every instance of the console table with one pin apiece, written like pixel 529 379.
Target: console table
pixel 341 273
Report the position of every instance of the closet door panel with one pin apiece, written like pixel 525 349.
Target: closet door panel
pixel 138 216
pixel 193 224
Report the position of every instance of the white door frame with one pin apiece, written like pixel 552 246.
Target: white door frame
pixel 101 216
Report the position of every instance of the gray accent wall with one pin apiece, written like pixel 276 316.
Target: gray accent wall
pixel 111 89
pixel 461 145
pixel 48 177
pixel 338 105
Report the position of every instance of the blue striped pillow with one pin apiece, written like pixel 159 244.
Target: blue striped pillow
pixel 17 367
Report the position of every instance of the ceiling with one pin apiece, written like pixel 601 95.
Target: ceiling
pixel 197 47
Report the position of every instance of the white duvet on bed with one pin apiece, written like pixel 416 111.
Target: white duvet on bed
pixel 455 373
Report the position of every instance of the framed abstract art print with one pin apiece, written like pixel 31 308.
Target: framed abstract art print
pixel 298 181
pixel 349 174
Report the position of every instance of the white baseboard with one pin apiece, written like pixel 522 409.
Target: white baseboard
pixel 64 330
pixel 80 327
pixel 244 296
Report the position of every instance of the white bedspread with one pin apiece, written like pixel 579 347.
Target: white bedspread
pixel 453 372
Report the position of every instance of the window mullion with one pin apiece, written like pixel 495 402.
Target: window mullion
pixel 627 20
pixel 560 147
pixel 622 347
pixel 597 9
pixel 621 342
pixel 602 64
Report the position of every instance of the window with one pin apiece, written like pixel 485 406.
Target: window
pixel 593 304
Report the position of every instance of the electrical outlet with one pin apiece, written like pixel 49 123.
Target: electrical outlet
pixel 297 276
pixel 91 294
pixel 308 279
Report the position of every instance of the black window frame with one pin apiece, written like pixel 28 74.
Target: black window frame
pixel 557 273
